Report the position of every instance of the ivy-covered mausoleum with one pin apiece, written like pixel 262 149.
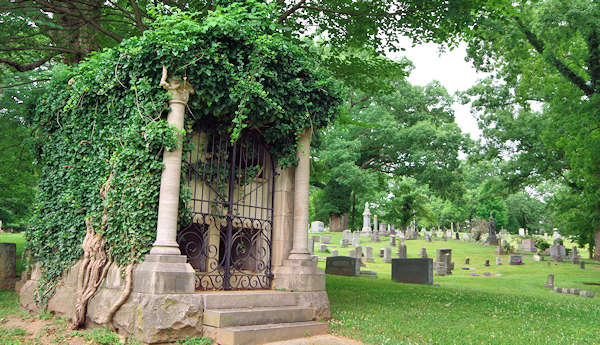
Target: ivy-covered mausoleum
pixel 175 188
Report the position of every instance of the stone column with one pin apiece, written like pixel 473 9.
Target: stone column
pixel 165 270
pixel 375 224
pixel 299 272
pixel 301 178
pixel 168 202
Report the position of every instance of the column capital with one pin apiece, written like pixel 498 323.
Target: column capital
pixel 179 89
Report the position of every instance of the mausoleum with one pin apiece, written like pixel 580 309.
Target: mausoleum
pixel 228 254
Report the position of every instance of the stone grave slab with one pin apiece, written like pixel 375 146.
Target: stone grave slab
pixel 343 266
pixel 413 270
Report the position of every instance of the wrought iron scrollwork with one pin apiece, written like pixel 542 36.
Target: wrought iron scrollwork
pixel 229 241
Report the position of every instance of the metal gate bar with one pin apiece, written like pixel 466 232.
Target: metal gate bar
pixel 229 241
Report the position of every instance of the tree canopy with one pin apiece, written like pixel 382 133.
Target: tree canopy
pixel 540 107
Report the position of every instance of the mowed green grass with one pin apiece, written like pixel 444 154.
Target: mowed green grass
pixel 512 309
pixel 19 240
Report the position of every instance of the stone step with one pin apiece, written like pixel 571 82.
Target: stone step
pixel 260 334
pixel 255 316
pixel 237 299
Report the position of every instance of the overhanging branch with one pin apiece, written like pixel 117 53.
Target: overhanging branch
pixel 553 60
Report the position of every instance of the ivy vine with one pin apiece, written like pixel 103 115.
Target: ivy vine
pixel 107 116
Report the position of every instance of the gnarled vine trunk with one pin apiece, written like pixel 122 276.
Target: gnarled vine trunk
pixel 95 266
pixel 91 273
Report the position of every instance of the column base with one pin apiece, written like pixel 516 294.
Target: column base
pixel 164 274
pixel 299 275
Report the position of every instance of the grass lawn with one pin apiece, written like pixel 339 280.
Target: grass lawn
pixel 19 239
pixel 462 309
pixel 512 309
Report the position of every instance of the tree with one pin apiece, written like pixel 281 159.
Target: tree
pixel 18 176
pixel 409 132
pixel 523 211
pixel 408 200
pixel 35 32
pixel 544 53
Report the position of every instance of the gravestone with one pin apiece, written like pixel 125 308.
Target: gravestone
pixel 414 271
pixel 401 251
pixel 334 252
pixel 467 260
pixel 574 256
pixel 375 223
pixel 392 241
pixel 355 239
pixel 382 227
pixel 369 252
pixel 368 274
pixel 428 237
pixel 521 232
pixel 366 229
pixel 558 252
pixel 346 238
pixel 456 234
pixel 443 261
pixel 343 266
pixel 375 236
pixel 528 245
pixel 323 248
pixel 8 265
pixel 358 252
pixel 550 282
pixel 381 250
pixel 487 263
pixel 492 239
pixel 326 239
pixel 317 226
pixel 582 265
pixel 500 249
pixel 423 253
pixel 516 260
pixel 387 255
pixel 347 235
pixel 311 245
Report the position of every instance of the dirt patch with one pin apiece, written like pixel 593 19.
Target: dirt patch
pixel 40 331
pixel 318 340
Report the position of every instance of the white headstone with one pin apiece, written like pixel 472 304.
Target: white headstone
pixel 366 218
pixel 369 253
pixel 317 226
pixel 355 239
pixel 387 255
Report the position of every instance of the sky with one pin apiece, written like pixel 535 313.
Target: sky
pixel 452 71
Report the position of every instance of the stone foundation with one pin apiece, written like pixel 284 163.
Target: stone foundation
pixel 150 318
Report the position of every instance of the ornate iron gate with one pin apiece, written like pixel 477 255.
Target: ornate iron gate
pixel 229 240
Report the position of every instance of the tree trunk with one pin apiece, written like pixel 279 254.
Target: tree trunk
pixel 352 209
pixel 335 222
pixel 597 245
pixel 344 221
